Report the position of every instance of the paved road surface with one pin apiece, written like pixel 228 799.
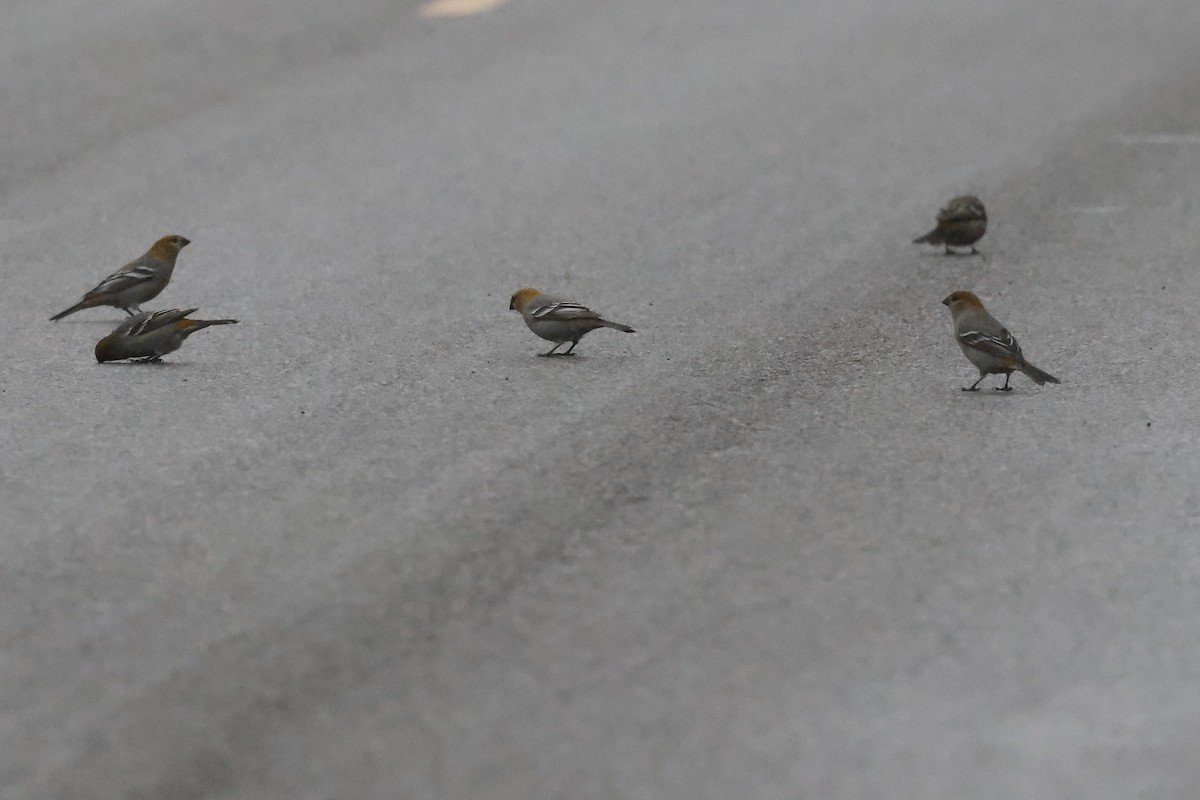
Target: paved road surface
pixel 366 545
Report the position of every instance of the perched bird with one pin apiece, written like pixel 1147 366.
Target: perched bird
pixel 987 344
pixel 961 223
pixel 557 320
pixel 151 335
pixel 136 282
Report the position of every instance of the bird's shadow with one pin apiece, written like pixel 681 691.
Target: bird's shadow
pixel 994 392
pixel 143 364
pixel 934 254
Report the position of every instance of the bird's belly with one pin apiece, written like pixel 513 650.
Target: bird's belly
pixel 984 362
pixel 555 331
pixel 961 234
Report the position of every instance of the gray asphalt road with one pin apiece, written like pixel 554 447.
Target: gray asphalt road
pixel 366 545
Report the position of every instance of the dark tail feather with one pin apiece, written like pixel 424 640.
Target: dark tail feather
pixel 617 325
pixel 193 325
pixel 80 306
pixel 1039 377
pixel 933 237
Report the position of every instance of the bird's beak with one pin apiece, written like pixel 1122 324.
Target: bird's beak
pixel 946 302
pixel 512 305
pixel 184 242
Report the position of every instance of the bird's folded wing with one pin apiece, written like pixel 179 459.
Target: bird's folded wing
pixel 121 281
pixel 145 323
pixel 1001 345
pixel 563 311
pixel 967 213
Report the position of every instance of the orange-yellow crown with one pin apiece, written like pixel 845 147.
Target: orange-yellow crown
pixel 168 246
pixel 521 298
pixel 964 299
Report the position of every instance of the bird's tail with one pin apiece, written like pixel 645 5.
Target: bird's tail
pixel 617 325
pixel 190 326
pixel 80 306
pixel 933 237
pixel 1039 377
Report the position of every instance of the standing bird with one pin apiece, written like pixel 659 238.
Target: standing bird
pixel 557 320
pixel 961 223
pixel 138 281
pixel 151 335
pixel 987 344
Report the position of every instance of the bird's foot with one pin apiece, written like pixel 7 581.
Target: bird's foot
pixel 970 388
pixel 1003 388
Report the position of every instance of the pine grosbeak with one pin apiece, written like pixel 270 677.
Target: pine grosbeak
pixel 961 223
pixel 138 281
pixel 151 335
pixel 987 344
pixel 557 320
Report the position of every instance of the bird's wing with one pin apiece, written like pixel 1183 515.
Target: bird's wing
pixel 960 213
pixel 125 279
pixel 152 321
pixel 563 310
pixel 1000 345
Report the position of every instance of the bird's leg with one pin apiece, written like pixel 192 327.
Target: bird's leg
pixel 572 347
pixel 948 251
pixel 1005 387
pixel 974 387
pixel 974 252
pixel 127 311
pixel 551 352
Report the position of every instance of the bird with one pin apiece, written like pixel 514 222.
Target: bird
pixel 149 336
pixel 138 281
pixel 961 223
pixel 558 320
pixel 987 344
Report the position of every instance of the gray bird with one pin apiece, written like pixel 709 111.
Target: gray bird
pixel 151 335
pixel 138 281
pixel 557 320
pixel 961 223
pixel 987 344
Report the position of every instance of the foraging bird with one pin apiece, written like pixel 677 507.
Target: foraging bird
pixel 961 223
pixel 987 344
pixel 151 335
pixel 557 320
pixel 138 281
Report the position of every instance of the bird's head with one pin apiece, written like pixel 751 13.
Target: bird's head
pixel 971 203
pixel 104 349
pixel 522 298
pixel 169 246
pixel 961 301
